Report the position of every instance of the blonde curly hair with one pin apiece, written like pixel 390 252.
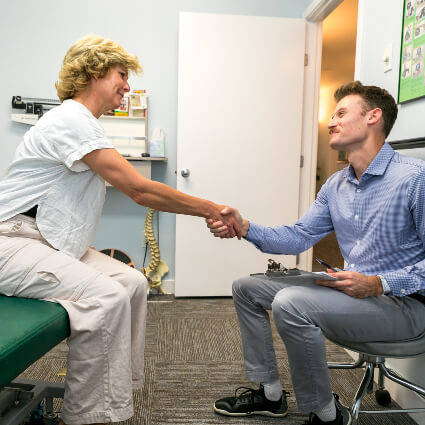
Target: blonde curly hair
pixel 91 56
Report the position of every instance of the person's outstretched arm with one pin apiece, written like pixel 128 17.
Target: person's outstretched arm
pixel 117 171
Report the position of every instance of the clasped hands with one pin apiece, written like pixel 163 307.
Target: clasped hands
pixel 352 283
pixel 231 224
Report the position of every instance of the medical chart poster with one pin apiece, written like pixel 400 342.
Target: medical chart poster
pixel 412 80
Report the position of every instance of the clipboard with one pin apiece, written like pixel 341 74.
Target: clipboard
pixel 302 277
pixel 276 271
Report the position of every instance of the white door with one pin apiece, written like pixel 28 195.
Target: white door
pixel 240 94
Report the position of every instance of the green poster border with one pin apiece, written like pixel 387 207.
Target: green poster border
pixel 409 88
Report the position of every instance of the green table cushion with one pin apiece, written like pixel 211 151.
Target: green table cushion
pixel 28 329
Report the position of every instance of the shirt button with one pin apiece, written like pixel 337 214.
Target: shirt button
pixel 358 190
pixel 403 291
pixel 356 217
pixel 351 265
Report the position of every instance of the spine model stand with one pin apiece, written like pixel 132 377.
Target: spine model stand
pixel 156 268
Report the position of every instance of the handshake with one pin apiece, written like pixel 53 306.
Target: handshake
pixel 228 224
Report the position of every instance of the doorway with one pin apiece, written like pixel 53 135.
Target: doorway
pixel 339 31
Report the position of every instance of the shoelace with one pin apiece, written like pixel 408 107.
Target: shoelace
pixel 249 393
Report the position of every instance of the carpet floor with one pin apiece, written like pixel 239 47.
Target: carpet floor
pixel 194 356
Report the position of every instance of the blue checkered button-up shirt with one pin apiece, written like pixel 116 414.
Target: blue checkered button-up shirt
pixel 379 221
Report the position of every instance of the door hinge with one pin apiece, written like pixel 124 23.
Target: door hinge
pixel 305 59
pixel 301 161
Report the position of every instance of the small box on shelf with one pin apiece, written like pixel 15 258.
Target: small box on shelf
pixel 138 103
pixel 123 109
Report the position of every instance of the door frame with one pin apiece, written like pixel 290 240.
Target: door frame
pixel 314 14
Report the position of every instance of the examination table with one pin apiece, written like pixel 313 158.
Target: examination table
pixel 28 329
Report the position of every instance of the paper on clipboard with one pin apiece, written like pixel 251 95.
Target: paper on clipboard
pixel 311 277
pixel 301 277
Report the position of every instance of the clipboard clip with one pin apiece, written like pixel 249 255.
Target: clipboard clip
pixel 275 269
pixel 273 266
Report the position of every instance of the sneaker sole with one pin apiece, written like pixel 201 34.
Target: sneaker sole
pixel 259 413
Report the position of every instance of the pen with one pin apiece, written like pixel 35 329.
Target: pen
pixel 335 269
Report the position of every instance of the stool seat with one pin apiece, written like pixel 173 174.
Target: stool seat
pixel 372 355
pixel 28 329
pixel 395 349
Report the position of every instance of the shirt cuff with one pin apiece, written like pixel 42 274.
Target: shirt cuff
pixel 385 287
pixel 255 233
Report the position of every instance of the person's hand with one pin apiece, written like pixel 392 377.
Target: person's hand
pixel 354 284
pixel 220 228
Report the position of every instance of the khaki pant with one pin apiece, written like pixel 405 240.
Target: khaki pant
pixel 106 303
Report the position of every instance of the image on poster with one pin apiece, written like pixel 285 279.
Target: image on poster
pixel 412 62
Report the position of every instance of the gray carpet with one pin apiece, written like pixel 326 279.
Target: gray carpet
pixel 193 357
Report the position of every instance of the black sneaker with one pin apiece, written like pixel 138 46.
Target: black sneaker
pixel 343 416
pixel 251 402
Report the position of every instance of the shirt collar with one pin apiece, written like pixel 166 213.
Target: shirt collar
pixel 378 165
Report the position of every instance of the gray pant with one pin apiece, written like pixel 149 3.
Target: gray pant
pixel 301 312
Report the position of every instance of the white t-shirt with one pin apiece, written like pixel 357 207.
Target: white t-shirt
pixel 47 171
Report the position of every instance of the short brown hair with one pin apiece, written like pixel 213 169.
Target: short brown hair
pixel 373 97
pixel 91 56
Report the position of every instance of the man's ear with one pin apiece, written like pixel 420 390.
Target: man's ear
pixel 374 115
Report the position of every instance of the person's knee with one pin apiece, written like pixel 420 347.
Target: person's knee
pixel 139 279
pixel 136 282
pixel 244 287
pixel 106 296
pixel 118 296
pixel 289 302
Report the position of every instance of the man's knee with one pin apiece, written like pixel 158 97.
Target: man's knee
pixel 244 286
pixel 289 301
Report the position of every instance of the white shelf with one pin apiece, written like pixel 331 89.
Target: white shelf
pixel 146 158
pixel 143 164
pixel 31 119
pixel 121 117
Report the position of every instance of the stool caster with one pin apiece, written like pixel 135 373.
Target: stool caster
pixel 382 397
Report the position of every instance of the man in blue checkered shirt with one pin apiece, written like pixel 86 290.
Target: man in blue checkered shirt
pixel 376 206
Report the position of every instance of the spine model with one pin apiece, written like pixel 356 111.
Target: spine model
pixel 156 268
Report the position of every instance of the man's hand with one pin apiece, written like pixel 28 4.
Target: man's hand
pixel 354 284
pixel 222 229
pixel 229 223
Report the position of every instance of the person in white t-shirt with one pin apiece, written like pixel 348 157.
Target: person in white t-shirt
pixel 50 203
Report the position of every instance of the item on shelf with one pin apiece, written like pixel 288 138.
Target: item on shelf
pixel 157 143
pixel 138 103
pixel 123 109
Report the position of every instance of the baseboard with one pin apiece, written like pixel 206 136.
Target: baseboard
pixel 402 396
